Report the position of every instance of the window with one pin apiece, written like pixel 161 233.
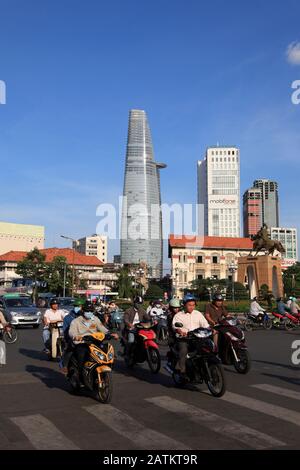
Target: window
pixel 199 259
pixel 215 260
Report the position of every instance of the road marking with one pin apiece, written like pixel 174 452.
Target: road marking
pixel 128 427
pixel 226 427
pixel 285 392
pixel 42 434
pixel 256 405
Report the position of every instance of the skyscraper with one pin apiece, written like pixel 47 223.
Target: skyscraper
pixel 219 191
pixel 141 231
pixel 252 211
pixel 270 206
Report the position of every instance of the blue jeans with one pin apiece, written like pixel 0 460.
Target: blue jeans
pixel 46 338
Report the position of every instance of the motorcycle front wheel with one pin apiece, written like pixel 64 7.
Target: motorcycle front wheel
pixel 153 358
pixel 10 336
pixel 104 389
pixel 216 384
pixel 267 323
pixel 289 325
pixel 244 364
pixel 248 325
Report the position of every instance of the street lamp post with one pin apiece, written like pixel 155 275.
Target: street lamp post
pixel 73 260
pixel 232 269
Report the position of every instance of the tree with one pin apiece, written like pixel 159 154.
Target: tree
pixel 154 292
pixel 124 283
pixel 240 292
pixel 33 267
pixel 57 272
pixel 291 280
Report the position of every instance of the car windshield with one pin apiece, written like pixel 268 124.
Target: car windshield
pixel 66 302
pixel 18 302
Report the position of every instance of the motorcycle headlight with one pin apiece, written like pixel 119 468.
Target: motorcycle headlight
pixel 100 355
pixel 38 314
pixel 110 356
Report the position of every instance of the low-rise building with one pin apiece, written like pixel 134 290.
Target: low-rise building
pixel 204 258
pixel 20 237
pixel 288 238
pixel 95 245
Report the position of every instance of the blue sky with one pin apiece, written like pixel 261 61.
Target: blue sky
pixel 205 72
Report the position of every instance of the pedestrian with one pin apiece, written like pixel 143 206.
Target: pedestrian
pixel 3 322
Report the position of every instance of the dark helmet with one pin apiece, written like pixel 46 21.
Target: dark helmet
pixel 254 299
pixel 188 298
pixel 78 302
pixel 279 299
pixel 138 300
pixel 217 297
pixel 88 306
pixel 54 301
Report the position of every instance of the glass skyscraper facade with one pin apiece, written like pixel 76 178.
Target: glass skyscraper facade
pixel 141 227
pixel 270 205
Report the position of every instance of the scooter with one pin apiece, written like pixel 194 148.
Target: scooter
pixel 143 349
pixel 279 320
pixel 97 371
pixel 292 321
pixel 57 339
pixel 202 363
pixel 232 346
pixel 261 320
pixel 8 333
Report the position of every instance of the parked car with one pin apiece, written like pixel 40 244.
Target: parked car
pixel 44 299
pixel 19 310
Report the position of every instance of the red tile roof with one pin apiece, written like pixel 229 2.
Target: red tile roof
pixel 210 242
pixel 79 259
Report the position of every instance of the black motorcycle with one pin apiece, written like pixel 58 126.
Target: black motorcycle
pixel 202 362
pixel 232 346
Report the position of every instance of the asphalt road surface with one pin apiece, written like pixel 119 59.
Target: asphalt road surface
pixel 259 411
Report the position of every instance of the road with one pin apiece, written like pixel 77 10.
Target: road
pixel 259 411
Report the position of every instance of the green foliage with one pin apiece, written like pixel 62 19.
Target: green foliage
pixel 33 267
pixel 55 273
pixel 291 280
pixel 124 284
pixel 240 292
pixel 154 292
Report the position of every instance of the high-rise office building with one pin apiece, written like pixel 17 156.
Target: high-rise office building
pixel 252 211
pixel 288 237
pixel 219 191
pixel 270 206
pixel 141 231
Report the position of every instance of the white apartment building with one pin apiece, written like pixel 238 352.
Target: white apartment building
pixel 219 191
pixel 288 237
pixel 95 245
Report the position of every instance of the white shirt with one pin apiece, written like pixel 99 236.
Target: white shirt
pixel 255 309
pixel 136 318
pixel 190 321
pixel 53 316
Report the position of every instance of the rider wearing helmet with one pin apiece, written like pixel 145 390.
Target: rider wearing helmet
pixel 215 311
pixel 52 315
pixel 132 316
pixel 74 313
pixel 85 324
pixel 174 307
pixel 190 320
pixel 294 307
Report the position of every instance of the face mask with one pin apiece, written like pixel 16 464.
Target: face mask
pixel 88 315
pixel 77 309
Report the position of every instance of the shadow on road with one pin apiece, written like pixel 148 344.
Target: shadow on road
pixel 50 377
pixel 291 380
pixel 145 375
pixel 33 354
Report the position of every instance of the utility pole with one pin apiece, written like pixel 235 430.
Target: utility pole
pixel 73 260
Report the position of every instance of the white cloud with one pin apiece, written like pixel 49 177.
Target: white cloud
pixel 293 53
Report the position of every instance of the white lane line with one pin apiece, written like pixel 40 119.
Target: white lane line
pixel 263 407
pixel 43 434
pixel 133 430
pixel 285 392
pixel 227 427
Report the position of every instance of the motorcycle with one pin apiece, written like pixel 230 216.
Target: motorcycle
pixel 97 370
pixel 57 339
pixel 292 321
pixel 116 319
pixel 202 363
pixel 143 349
pixel 231 345
pixel 161 328
pixel 279 320
pixel 261 320
pixel 8 333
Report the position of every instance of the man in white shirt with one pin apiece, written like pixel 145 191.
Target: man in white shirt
pixel 52 315
pixel 255 308
pixel 190 319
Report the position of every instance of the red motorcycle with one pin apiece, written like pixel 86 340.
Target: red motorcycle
pixel 144 348
pixel 279 320
pixel 292 321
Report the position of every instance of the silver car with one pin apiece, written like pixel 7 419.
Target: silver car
pixel 19 310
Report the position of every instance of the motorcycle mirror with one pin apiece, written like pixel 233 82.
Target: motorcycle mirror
pixel 178 325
